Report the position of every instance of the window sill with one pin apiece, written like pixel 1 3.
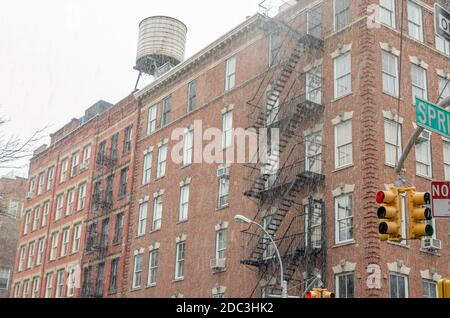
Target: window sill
pixel 135 289
pixel 177 280
pixel 391 95
pixel 151 286
pixel 342 97
pixel 219 271
pixel 399 244
pixel 183 221
pixel 155 231
pixel 222 208
pixel 337 245
pixel 352 165
pixel 425 177
pixel 160 178
pixel 433 253
pixel 186 166
pixel 137 237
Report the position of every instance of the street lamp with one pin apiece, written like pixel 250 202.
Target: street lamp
pixel 242 219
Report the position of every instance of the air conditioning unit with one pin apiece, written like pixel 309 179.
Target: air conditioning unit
pixel 431 244
pixel 218 263
pixel 30 195
pixel 84 166
pixel 223 172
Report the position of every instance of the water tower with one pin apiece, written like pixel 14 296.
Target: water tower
pixel 161 45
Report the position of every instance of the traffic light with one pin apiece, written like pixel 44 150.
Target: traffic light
pixel 418 213
pixel 319 293
pixel 390 214
pixel 444 288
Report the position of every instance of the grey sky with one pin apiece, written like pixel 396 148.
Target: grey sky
pixel 59 57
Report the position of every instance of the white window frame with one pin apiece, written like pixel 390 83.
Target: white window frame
pixel 340 145
pixel 21 265
pixel 416 86
pixel 86 154
pixel 391 274
pixel 76 238
pixel 36 215
pixel 192 96
pixel 337 220
pixel 41 179
pixel 387 73
pixel 347 10
pixel 312 27
pixel 65 242
pixel 81 197
pixel 40 251
pixel 26 225
pixel 430 284
pixel 59 206
pixel 230 73
pixel 59 283
pixel 45 213
pixel 387 13
pixel 147 168
pixel 418 25
pixel 151 121
pixel 444 88
pixel 313 91
pixel 35 287
pixel 26 288
pixel 31 250
pixel 64 166
pixel 50 177
pixel 188 149
pixel 221 244
pixel 137 272
pixel 153 261
pixel 75 161
pixel 180 252
pixel 48 285
pixel 223 192
pixel 162 161
pixel 184 203
pixel 142 218
pixel 157 213
pixel 227 129
pixel 446 156
pixel 70 201
pixel 346 75
pixel 428 163
pixel 442 45
pixel 54 245
pixel 388 145
pixel 346 275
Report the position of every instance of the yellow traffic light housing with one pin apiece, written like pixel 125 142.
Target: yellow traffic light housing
pixel 390 215
pixel 418 214
pixel 444 288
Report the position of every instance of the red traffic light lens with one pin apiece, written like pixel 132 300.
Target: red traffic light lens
pixel 380 197
pixel 308 295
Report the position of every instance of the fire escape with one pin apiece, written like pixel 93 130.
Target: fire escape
pixel 97 232
pixel 287 100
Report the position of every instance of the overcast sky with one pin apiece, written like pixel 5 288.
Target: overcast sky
pixel 57 57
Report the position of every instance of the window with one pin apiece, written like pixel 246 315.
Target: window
pixel 398 286
pixel 4 277
pixel 167 108
pixel 313 152
pixel 179 262
pixel 48 285
pixel 100 279
pixel 429 289
pixel 392 142
pixel 40 251
pixel 192 95
pixel 314 85
pixel 442 45
pixel 118 228
pixel 65 241
pixel 45 212
pixel 36 218
pixel 314 18
pixel 275 43
pixel 343 144
pixel 109 189
pixel 390 73
pixel 147 169
pixel 21 258
pixel 272 106
pixel 446 147
pixel 70 199
pixel 81 197
pixel 387 12
pixel 87 284
pixel 142 222
pixel 151 124
pixel 59 206
pixel 188 147
pixel 50 177
pixel 123 182
pixel 223 193
pixel 26 224
pixel 343 218
pixel 227 129
pixel 313 227
pixel 127 140
pixel 16 290
pixel 157 213
pixel 71 281
pixel 269 249
pixel 415 26
pixel 59 283
pixel 74 168
pixel 345 285
pixel 230 73
pixel 444 87
pixel 54 246
pixel 31 255
pixel 104 235
pixel 76 237
pixel 26 288
pixel 341 14
pixel 101 152
pixel 41 179
pixel 419 83
pixel 152 267
pixel 113 276
pixel 219 295
pixel 63 175
pixel 184 203
pixel 221 244
pixel 86 156
pixel 35 287
pixel 137 273
pixel 342 75
pixel 115 145
pixel 162 158
pixel 31 186
pixel 423 155
pixel 15 208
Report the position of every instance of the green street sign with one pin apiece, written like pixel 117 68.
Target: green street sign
pixel 432 117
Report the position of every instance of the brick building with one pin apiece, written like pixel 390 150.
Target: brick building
pixel 60 232
pixel 12 198
pixel 328 77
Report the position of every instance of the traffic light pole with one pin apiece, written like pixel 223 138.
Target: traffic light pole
pixel 412 141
